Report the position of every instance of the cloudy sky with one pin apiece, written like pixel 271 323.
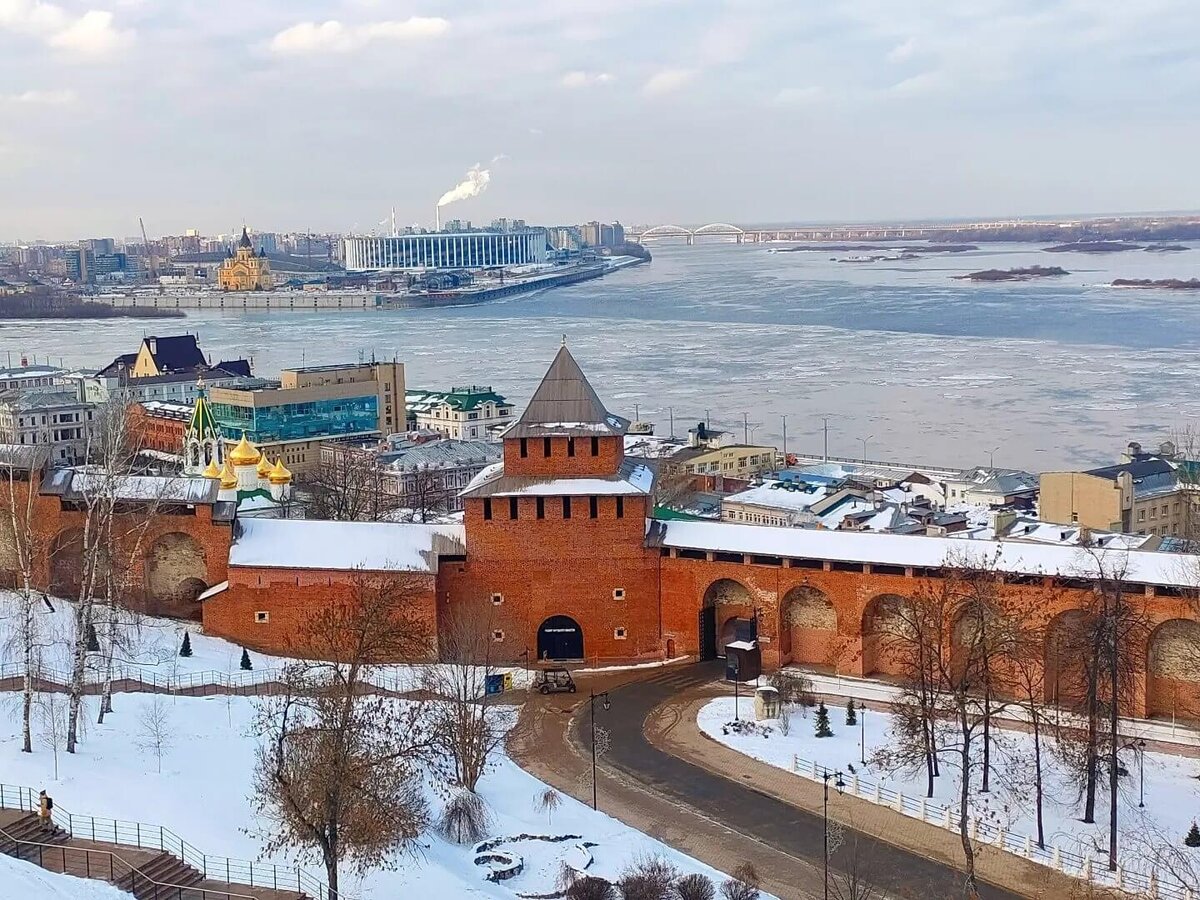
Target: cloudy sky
pixel 291 114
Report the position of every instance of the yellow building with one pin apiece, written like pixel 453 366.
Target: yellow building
pixel 245 270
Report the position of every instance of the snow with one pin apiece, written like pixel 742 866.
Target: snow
pixel 776 495
pixel 26 881
pixel 156 488
pixel 316 544
pixel 1171 786
pixel 1140 566
pixel 204 795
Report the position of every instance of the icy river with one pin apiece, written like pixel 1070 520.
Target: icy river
pixel 1042 374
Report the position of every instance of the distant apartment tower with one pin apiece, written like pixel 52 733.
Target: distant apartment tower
pixel 598 234
pixel 313 405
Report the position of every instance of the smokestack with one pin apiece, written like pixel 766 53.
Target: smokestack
pixel 437 218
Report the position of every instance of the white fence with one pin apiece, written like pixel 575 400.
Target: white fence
pixel 1146 883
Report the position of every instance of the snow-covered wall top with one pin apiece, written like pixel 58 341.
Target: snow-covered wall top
pixel 340 546
pixel 1016 557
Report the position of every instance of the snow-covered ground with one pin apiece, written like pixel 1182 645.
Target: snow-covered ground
pixel 1172 791
pixel 204 795
pixel 21 880
pixel 152 650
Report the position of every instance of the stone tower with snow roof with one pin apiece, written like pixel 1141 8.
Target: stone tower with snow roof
pixel 556 531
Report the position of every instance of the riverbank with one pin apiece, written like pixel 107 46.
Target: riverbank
pixel 151 303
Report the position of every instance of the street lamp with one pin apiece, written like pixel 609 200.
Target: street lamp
pixel 840 785
pixel 862 732
pixel 592 698
pixel 864 443
pixel 1139 747
pixel 736 669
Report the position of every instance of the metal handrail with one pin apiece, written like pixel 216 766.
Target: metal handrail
pixel 134 873
pixel 157 837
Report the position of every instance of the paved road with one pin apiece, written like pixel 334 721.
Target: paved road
pixel 786 828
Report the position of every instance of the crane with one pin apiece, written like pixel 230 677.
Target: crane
pixel 149 252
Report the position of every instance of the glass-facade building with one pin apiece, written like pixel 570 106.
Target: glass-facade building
pixel 298 421
pixel 468 250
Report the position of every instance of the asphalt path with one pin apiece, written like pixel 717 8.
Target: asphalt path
pixel 796 832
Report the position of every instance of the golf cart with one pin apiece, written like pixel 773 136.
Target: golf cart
pixel 554 680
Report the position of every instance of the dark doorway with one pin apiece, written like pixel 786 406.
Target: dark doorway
pixel 708 633
pixel 560 637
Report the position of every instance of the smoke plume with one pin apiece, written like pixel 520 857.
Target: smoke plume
pixel 473 185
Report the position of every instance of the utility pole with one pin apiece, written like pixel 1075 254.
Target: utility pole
pixel 671 413
pixel 784 440
pixel 745 428
pixel 825 419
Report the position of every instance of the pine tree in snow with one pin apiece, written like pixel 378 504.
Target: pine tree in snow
pixel 186 648
pixel 1193 836
pixel 851 713
pixel 246 664
pixel 93 642
pixel 823 729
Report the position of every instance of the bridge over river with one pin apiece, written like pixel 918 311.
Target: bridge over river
pixel 723 231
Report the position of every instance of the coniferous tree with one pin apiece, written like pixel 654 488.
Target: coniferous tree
pixel 1193 836
pixel 93 642
pixel 186 648
pixel 851 713
pixel 823 729
pixel 246 664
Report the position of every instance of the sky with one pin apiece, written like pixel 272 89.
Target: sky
pixel 326 114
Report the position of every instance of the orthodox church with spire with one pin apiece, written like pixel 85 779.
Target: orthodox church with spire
pixel 245 270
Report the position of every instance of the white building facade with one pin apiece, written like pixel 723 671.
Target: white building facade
pixel 468 250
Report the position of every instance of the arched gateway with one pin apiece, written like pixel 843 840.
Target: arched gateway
pixel 560 637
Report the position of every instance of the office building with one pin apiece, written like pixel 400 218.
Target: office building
pixel 313 405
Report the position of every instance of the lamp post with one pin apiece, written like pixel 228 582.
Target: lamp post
pixel 839 784
pixel 592 698
pixel 864 443
pixel 862 732
pixel 736 669
pixel 1141 748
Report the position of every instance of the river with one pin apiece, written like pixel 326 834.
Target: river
pixel 1041 375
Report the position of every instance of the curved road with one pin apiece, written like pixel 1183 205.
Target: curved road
pixel 793 831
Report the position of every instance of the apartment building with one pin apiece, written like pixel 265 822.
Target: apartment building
pixel 57 421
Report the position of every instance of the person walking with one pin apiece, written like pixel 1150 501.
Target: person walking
pixel 45 811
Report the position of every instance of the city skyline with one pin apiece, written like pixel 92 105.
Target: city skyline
pixel 326 115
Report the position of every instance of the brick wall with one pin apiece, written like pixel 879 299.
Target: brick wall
pixel 289 597
pixel 610 452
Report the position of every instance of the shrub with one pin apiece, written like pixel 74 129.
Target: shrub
pixel 743 884
pixel 695 887
pixel 465 819
pixel 851 712
pixel 1193 836
pixel 589 887
pixel 793 687
pixel 650 878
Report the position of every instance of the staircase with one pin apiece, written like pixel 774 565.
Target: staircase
pixel 146 873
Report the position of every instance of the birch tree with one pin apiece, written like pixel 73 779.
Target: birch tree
pixel 26 544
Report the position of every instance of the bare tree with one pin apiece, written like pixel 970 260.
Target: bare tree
pixel 337 773
pixel 852 879
pixel 155 733
pixel 743 884
pixel 548 801
pixel 52 713
pixel 1029 683
pixel 27 545
pixel 467 724
pixel 347 485
pixel 422 491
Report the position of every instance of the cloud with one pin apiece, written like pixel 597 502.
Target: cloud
pixel 925 83
pixel 667 81
pixel 91 35
pixel 799 96
pixel 39 98
pixel 902 52
pixel 335 37
pixel 581 79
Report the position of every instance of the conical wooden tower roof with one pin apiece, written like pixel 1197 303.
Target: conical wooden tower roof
pixel 566 403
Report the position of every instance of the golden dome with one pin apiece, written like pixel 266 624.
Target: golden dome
pixel 228 478
pixel 211 470
pixel 244 454
pixel 264 467
pixel 280 474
